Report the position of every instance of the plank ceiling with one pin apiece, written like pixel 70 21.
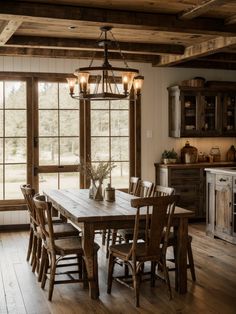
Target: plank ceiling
pixel 183 33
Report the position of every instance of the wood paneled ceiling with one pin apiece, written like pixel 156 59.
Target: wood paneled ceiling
pixel 183 33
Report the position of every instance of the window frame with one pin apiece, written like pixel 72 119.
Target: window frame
pixel 31 80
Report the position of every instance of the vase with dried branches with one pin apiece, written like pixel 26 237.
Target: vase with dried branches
pixel 97 172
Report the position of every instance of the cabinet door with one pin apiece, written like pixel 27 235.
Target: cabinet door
pixel 229 114
pixel 223 208
pixel 190 114
pixel 210 114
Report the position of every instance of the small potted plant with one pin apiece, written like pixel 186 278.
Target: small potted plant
pixel 169 156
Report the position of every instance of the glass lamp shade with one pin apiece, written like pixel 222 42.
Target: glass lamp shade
pixel 83 78
pixel 127 81
pixel 138 83
pixel 71 82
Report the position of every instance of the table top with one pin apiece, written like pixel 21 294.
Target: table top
pixel 77 205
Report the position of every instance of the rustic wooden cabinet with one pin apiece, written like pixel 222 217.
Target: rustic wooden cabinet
pixel 202 112
pixel 221 204
pixel 189 181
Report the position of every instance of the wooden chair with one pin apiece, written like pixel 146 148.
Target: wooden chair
pixel 135 254
pixel 162 191
pixel 134 185
pixel 61 229
pixel 145 188
pixel 60 250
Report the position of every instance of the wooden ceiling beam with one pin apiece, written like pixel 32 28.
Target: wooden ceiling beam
pixel 221 57
pixel 77 44
pixel 230 20
pixel 208 65
pixel 75 54
pixel 201 9
pixel 75 15
pixel 7 29
pixel 199 50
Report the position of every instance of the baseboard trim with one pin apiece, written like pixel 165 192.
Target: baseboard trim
pixel 14 227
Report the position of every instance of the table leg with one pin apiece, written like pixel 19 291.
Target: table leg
pixel 90 259
pixel 181 267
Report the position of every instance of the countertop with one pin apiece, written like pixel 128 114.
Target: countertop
pixel 229 171
pixel 198 165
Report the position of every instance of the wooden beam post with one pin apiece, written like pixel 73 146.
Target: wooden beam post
pixel 7 29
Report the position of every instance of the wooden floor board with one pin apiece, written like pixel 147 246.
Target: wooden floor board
pixel 214 291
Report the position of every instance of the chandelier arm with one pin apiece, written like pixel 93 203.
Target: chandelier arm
pixel 120 51
pixel 116 87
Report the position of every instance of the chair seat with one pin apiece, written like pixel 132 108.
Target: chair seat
pixel 62 230
pixel 127 234
pixel 122 250
pixel 71 245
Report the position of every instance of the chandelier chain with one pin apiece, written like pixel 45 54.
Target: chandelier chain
pixel 120 51
pixel 94 53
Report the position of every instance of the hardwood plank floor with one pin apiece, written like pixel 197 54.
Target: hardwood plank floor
pixel 214 291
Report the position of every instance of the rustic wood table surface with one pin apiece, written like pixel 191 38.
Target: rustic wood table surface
pixel 90 215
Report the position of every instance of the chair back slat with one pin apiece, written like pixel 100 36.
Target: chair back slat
pixel 44 212
pixel 145 188
pixel 158 212
pixel 160 190
pixel 134 185
pixel 28 194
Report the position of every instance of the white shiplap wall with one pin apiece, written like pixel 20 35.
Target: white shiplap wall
pixel 154 109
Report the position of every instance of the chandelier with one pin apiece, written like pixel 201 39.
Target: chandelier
pixel 105 82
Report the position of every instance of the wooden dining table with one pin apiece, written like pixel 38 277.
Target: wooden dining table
pixel 90 215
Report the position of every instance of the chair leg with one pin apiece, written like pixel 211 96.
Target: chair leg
pixel 45 270
pixel 34 248
pixel 167 278
pixel 104 233
pixel 85 275
pixel 80 267
pixel 136 283
pixel 42 262
pixel 108 242
pixel 38 254
pixel 29 251
pixel 190 260
pixel 126 266
pixel 52 277
pixel 110 272
pixel 153 273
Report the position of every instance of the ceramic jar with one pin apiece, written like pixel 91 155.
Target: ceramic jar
pixel 189 154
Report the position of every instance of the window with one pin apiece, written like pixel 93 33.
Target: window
pixel 44 134
pixel 110 138
pixel 13 138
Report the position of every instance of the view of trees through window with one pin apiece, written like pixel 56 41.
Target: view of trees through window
pixel 13 138
pixel 53 130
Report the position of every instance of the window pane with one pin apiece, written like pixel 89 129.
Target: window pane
pixel 48 181
pixel 99 123
pixel 15 175
pixel 1 123
pixel 15 122
pixel 120 175
pixel 65 100
pixel 69 122
pixel 100 104
pixel 15 94
pixel 1 94
pixel 120 123
pixel 15 150
pixel 120 104
pixel 69 180
pixel 48 95
pixel 48 122
pixel 120 148
pixel 69 151
pixel 48 151
pixel 99 149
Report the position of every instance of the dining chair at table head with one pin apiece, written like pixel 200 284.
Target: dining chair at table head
pixel 154 214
